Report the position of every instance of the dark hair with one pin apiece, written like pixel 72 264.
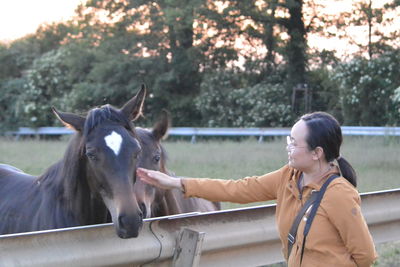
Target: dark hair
pixel 324 131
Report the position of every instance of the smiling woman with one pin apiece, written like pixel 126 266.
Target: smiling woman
pixel 21 17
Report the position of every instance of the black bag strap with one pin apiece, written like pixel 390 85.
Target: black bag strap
pixel 293 230
pixel 315 198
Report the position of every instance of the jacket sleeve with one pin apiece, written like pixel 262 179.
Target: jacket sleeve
pixel 246 190
pixel 343 207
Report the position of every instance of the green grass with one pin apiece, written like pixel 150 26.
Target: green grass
pixel 389 254
pixel 31 156
pixel 376 161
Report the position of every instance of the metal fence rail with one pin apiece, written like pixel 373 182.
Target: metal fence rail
pixel 194 132
pixel 241 237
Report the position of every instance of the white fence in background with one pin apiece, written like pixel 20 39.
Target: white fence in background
pixel 241 237
pixel 194 132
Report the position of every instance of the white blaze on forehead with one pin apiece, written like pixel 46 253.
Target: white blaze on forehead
pixel 114 142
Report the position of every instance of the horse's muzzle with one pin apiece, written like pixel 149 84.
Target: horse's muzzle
pixel 129 226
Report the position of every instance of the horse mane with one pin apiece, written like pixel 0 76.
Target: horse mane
pixel 64 171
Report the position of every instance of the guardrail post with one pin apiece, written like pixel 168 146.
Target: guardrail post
pixel 188 248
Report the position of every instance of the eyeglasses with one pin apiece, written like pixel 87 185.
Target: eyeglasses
pixel 290 144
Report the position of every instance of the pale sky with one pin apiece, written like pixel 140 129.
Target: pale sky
pixel 20 17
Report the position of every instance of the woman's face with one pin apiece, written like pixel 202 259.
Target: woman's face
pixel 299 155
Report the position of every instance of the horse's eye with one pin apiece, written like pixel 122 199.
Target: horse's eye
pixel 156 158
pixel 91 155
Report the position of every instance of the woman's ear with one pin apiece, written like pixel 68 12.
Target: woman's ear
pixel 318 153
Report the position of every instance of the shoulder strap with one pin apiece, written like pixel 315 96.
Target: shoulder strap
pixel 314 209
pixel 293 230
pixel 315 197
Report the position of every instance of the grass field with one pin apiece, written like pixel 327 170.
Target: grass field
pixel 376 161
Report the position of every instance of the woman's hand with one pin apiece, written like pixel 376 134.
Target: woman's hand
pixel 159 179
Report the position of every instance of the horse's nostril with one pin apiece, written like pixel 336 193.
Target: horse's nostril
pixel 143 209
pixel 141 215
pixel 122 221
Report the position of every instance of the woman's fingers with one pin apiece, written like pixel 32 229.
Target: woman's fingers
pixel 145 175
pixel 152 177
pixel 158 179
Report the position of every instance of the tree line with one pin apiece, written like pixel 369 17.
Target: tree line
pixel 210 63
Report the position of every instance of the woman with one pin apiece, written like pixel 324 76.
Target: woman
pixel 339 235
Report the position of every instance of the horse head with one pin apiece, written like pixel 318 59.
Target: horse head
pixel 110 150
pixel 152 157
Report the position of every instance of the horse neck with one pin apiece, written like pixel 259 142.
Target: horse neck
pixel 68 180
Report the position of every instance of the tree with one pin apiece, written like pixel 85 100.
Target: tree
pixel 16 78
pixel 368 26
pixel 46 85
pixel 182 80
pixel 11 104
pixel 368 89
pixel 159 36
pixel 271 20
pixel 261 105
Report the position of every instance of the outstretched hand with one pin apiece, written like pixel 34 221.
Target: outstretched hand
pixel 158 179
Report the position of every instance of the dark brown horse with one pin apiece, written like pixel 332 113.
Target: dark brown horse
pixel 153 201
pixel 95 178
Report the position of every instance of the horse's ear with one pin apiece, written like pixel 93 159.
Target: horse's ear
pixel 161 127
pixel 70 120
pixel 133 108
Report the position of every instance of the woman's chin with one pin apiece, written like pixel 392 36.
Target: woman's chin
pixel 291 162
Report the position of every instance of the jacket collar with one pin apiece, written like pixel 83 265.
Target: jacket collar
pixel 293 182
pixel 318 184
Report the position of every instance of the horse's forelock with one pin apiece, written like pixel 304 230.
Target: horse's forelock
pixel 144 136
pixel 103 114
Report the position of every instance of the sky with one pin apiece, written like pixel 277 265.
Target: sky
pixel 20 17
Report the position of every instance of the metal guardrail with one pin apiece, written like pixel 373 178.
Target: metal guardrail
pixel 194 132
pixel 241 237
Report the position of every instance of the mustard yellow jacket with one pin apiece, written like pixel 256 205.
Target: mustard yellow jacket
pixel 338 236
